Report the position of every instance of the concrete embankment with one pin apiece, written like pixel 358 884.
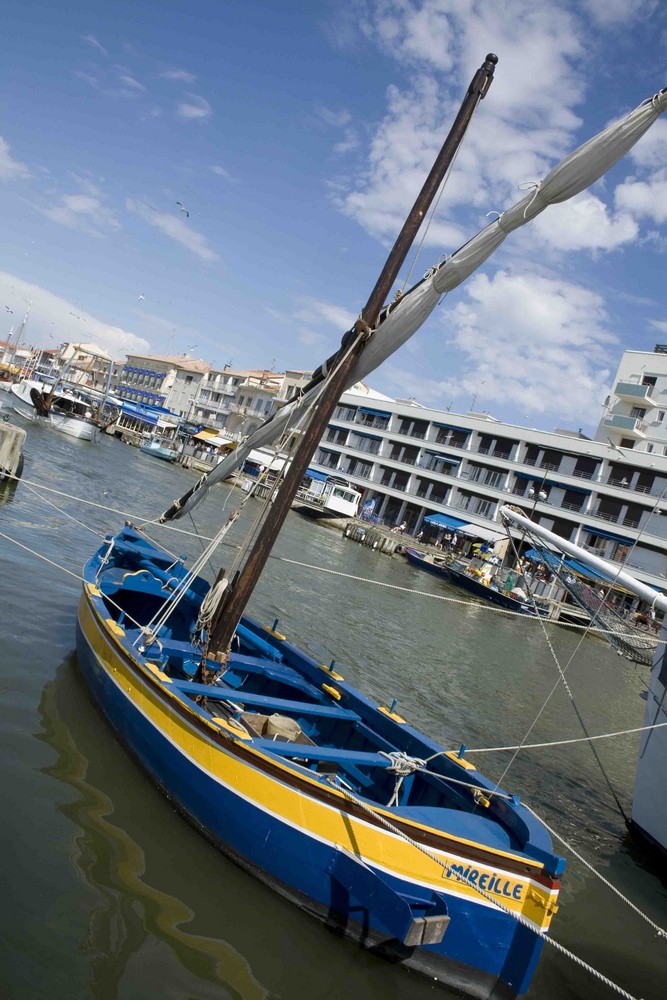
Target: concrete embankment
pixel 11 449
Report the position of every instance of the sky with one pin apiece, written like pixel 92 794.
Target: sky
pixel 224 179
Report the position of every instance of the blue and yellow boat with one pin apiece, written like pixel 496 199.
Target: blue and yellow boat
pixel 338 804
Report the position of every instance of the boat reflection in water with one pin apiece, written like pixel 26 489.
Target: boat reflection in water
pixel 130 913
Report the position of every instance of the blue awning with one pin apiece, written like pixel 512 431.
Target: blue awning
pixel 609 534
pixel 443 458
pixel 369 437
pixel 444 521
pixel 375 413
pixel 553 562
pixel 314 474
pixel 130 410
pixel 451 427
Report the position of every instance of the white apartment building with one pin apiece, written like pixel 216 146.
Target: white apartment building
pixel 415 462
pixel 635 414
pixel 235 403
pixel 161 380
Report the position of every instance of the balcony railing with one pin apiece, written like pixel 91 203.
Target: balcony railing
pixel 607 515
pixel 547 466
pixel 632 426
pixel 495 453
pixel 633 391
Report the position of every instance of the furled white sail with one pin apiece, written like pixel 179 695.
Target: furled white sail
pixel 572 175
pixel 604 566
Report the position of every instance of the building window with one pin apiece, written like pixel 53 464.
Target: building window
pixel 638 412
pixel 661 414
pixel 649 448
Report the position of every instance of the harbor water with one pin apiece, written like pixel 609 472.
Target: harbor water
pixel 106 890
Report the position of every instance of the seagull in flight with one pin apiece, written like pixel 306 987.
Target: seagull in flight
pixel 141 298
pixel 183 208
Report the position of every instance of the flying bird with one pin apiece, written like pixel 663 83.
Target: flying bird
pixel 141 298
pixel 183 208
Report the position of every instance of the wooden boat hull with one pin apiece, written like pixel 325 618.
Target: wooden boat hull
pixel 302 837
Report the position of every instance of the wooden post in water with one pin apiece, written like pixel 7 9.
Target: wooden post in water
pixel 343 362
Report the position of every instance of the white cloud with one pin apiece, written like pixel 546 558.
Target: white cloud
pixel 9 167
pixel 519 131
pixel 585 223
pixel 174 227
pixel 194 108
pixel 311 310
pixel 221 172
pixel 529 343
pixel 618 12
pixel 644 199
pixel 179 75
pixel 130 82
pixel 651 150
pixel 659 324
pixel 54 319
pixel 91 40
pixel 84 211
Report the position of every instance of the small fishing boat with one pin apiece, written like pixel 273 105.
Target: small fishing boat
pixel 159 449
pixel 333 800
pixel 65 410
pixel 430 563
pixel 507 589
pixel 482 579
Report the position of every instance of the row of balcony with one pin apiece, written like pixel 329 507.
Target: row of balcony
pixel 403 486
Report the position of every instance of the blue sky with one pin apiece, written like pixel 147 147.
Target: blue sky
pixel 297 134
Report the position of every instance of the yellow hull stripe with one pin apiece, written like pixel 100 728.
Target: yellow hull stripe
pixel 379 848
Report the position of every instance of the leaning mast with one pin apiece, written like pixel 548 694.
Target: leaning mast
pixel 236 597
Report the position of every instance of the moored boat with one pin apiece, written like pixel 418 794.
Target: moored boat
pixel 300 778
pixel 67 412
pixel 159 449
pixel 430 563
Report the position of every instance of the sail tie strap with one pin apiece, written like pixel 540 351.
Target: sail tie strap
pixel 533 186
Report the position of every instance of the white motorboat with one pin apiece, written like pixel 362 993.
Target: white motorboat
pixel 68 412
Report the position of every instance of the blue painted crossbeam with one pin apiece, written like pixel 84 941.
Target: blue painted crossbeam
pixel 264 701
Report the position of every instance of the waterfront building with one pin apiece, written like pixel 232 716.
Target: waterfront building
pixel 437 470
pixel 234 403
pixel 161 380
pixel 635 413
pixel 85 364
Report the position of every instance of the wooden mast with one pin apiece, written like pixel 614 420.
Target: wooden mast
pixel 236 598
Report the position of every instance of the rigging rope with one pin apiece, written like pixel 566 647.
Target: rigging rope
pixel 562 671
pixel 460 877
